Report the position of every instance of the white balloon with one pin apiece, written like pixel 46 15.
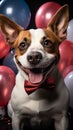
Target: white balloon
pixel 70 31
pixel 69 83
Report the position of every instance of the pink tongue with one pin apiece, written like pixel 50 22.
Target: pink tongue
pixel 35 78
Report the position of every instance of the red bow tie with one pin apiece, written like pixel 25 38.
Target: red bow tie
pixel 30 87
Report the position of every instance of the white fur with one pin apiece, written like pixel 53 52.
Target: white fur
pixel 21 103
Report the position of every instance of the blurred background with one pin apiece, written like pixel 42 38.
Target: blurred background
pixel 33 14
pixel 35 4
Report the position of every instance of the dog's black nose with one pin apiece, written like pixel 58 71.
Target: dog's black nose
pixel 34 58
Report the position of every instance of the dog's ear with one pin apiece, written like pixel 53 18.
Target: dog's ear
pixel 9 28
pixel 59 22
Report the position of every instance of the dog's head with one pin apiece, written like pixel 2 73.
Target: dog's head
pixel 37 50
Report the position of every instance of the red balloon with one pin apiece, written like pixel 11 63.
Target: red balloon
pixel 45 13
pixel 4 47
pixel 7 81
pixel 67 70
pixel 66 57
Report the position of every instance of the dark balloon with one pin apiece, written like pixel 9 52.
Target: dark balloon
pixel 45 13
pixel 1 2
pixel 66 57
pixel 9 61
pixel 17 10
pixel 7 81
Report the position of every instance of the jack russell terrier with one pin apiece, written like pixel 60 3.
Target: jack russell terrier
pixel 39 93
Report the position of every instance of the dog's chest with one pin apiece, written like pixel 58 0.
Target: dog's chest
pixel 35 102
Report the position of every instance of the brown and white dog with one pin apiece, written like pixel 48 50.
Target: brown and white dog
pixel 39 92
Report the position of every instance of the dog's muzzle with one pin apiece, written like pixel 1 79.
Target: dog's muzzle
pixel 37 74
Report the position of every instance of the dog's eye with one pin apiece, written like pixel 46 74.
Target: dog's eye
pixel 47 43
pixel 22 46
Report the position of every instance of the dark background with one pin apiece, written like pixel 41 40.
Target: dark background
pixel 35 4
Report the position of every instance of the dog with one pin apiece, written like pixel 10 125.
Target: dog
pixel 40 93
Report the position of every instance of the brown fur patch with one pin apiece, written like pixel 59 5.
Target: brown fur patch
pixel 22 35
pixel 55 42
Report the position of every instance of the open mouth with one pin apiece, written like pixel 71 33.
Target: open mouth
pixel 38 75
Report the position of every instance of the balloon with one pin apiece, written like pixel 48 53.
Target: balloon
pixel 1 2
pixel 4 47
pixel 70 31
pixel 69 83
pixel 9 61
pixel 17 10
pixel 7 81
pixel 67 70
pixel 45 13
pixel 66 56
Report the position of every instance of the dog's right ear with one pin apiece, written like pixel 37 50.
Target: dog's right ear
pixel 9 28
pixel 59 23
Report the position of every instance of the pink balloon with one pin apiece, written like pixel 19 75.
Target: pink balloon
pixel 66 57
pixel 7 81
pixel 4 47
pixel 45 13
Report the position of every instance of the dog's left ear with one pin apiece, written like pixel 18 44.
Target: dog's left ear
pixel 9 28
pixel 59 23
